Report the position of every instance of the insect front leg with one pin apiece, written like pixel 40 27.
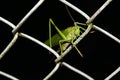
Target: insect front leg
pixel 77 49
pixel 80 25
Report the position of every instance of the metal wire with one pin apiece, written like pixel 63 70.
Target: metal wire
pixel 58 57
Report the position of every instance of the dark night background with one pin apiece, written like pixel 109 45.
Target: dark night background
pixel 29 61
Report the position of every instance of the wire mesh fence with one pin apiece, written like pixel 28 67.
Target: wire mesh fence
pixel 58 59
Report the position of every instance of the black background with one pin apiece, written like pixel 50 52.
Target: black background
pixel 29 61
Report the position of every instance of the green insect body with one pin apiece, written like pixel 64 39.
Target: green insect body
pixel 64 37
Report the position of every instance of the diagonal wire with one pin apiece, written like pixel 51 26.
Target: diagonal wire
pixel 113 74
pixel 27 16
pixel 9 46
pixel 39 43
pixel 52 72
pixel 7 22
pixel 77 71
pixel 12 41
pixel 8 75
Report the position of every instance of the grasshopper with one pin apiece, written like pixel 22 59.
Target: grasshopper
pixel 63 38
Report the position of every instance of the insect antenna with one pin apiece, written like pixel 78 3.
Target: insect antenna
pixel 68 11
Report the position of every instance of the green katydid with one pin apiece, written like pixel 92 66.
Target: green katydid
pixel 64 37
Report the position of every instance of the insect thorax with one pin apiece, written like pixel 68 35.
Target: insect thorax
pixel 72 33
